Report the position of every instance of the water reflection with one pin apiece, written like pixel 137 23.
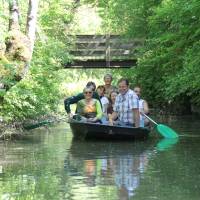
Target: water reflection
pixel 49 165
pixel 120 165
pixel 166 143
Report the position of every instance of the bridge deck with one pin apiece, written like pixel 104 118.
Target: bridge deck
pixel 103 51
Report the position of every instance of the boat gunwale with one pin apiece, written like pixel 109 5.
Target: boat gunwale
pixel 108 125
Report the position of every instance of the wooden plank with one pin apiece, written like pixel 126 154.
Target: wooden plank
pixel 121 45
pixel 96 36
pixel 112 42
pixel 112 58
pixel 102 52
pixel 102 38
pixel 92 45
pixel 101 64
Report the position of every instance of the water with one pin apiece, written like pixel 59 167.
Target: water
pixel 48 164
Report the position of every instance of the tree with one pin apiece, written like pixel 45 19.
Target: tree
pixel 31 29
pixel 14 15
pixel 171 33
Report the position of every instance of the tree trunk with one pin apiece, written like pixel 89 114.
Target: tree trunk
pixel 31 29
pixel 31 21
pixel 14 16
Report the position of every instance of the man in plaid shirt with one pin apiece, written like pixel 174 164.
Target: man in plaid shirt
pixel 126 106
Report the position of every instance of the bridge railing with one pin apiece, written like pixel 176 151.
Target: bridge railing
pixel 104 51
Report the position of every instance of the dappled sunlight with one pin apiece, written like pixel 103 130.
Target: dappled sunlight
pixel 88 20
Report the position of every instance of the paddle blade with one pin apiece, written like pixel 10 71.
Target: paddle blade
pixel 166 131
pixel 166 143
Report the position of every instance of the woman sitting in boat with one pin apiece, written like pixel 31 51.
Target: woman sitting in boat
pixel 143 107
pixel 104 100
pixel 111 104
pixel 80 96
pixel 89 108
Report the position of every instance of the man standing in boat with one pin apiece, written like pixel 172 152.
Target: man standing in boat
pixel 126 106
pixel 108 85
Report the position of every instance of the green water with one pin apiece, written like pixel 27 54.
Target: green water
pixel 48 164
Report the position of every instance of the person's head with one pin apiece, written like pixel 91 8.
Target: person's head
pixel 88 92
pixel 92 85
pixel 108 79
pixel 137 90
pixel 112 96
pixel 123 85
pixel 101 90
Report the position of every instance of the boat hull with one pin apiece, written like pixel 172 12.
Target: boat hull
pixel 100 131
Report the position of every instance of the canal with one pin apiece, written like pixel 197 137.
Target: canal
pixel 49 164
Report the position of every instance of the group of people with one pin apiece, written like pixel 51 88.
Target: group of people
pixel 108 104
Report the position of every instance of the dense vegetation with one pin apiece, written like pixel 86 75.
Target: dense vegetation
pixel 37 93
pixel 168 65
pixel 168 68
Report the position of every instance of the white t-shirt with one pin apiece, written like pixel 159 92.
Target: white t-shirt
pixel 104 102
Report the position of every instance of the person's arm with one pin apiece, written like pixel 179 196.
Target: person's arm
pixel 72 100
pixel 99 110
pixel 134 105
pixel 136 116
pixel 96 96
pixel 146 107
pixel 112 117
pixel 105 108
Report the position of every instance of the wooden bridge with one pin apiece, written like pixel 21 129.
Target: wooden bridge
pixel 103 51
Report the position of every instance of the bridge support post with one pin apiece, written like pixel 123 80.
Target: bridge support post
pixel 107 50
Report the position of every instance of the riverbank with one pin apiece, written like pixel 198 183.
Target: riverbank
pixel 12 130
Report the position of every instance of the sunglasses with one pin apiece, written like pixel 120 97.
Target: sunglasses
pixel 87 92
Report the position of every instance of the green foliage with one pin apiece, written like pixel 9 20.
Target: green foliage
pixel 168 64
pixel 32 96
pixel 39 92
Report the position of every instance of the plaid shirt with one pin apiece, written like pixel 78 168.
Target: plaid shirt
pixel 124 105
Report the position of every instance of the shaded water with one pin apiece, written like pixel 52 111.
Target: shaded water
pixel 48 164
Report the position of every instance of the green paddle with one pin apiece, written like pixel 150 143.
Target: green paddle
pixel 164 130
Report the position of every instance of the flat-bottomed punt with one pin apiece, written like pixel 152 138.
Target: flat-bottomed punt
pixel 82 130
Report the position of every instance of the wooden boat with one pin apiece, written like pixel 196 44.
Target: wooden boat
pixel 83 130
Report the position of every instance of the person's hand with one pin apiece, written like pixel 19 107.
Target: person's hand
pixel 111 122
pixel 70 115
pixel 89 120
pixel 92 119
pixel 142 113
pixel 110 119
